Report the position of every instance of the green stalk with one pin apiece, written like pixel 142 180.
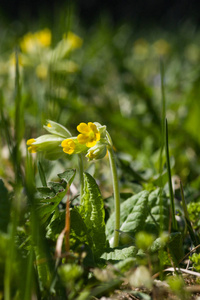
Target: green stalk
pixel 115 182
pixel 80 162
pixel 174 223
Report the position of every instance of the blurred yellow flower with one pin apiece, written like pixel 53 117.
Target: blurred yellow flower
pixel 141 48
pixel 41 71
pixel 74 40
pixel 32 41
pixel 161 47
pixel 89 134
pixel 43 37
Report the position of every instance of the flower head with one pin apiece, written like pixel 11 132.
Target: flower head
pixel 33 41
pixel 72 146
pixel 68 146
pixel 89 134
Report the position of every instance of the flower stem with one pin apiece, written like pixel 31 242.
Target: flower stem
pixel 116 192
pixel 80 162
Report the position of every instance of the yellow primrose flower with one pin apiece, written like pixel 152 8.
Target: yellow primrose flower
pixel 72 146
pixel 89 134
pixel 68 146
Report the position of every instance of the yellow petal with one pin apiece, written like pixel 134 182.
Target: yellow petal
pixel 32 149
pixel 83 128
pixel 91 143
pixel 30 141
pixel 92 127
pixel 98 136
pixel 82 138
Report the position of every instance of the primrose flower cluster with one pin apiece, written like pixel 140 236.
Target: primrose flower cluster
pixel 91 140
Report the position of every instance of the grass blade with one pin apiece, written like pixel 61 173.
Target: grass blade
pixel 174 223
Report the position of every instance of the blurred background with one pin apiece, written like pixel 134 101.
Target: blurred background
pixel 152 12
pixel 101 61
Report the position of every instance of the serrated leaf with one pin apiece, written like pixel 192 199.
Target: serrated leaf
pixel 117 254
pixel 94 214
pixel 4 207
pixel 133 214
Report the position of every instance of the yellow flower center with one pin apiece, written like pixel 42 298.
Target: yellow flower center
pixel 89 134
pixel 68 146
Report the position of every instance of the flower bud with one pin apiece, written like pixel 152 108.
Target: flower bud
pixel 97 152
pixel 57 129
pixel 48 143
pixel 101 129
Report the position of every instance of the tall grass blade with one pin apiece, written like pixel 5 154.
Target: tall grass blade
pixel 42 174
pixel 18 125
pixel 174 223
pixel 163 114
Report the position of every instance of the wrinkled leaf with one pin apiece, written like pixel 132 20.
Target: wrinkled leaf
pixel 94 214
pixel 158 212
pixel 132 216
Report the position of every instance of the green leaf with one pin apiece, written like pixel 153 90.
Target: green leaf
pixel 79 236
pixel 78 228
pixel 94 214
pixel 158 216
pixel 143 211
pixel 118 254
pixel 126 264
pixel 4 207
pixel 4 244
pixel 68 176
pixel 45 210
pixel 53 194
pixel 176 246
pixel 133 214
